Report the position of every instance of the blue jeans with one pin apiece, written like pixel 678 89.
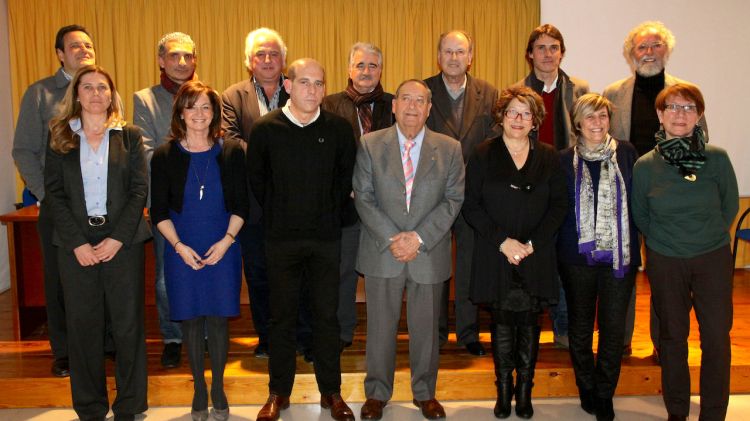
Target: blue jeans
pixel 170 331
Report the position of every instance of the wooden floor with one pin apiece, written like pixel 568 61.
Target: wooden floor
pixel 26 382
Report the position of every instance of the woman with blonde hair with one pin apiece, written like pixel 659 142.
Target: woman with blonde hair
pixel 96 184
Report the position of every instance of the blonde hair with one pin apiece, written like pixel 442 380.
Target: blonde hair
pixel 62 139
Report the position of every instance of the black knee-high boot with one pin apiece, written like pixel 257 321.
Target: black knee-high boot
pixel 527 349
pixel 503 345
pixel 192 336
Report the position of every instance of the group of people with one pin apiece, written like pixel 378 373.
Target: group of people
pixel 544 187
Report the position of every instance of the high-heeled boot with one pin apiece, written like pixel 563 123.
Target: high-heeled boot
pixel 503 344
pixel 527 349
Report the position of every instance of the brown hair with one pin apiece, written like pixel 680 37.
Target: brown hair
pixel 62 138
pixel 525 95
pixel 685 90
pixel 186 97
pixel 546 29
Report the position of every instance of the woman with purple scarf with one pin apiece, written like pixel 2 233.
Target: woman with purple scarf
pixel 598 251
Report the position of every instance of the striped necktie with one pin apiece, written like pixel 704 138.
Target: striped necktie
pixel 408 170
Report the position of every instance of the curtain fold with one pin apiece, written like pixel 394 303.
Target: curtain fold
pixel 126 33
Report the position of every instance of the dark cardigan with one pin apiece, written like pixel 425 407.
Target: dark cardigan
pixel 567 240
pixel 497 211
pixel 169 168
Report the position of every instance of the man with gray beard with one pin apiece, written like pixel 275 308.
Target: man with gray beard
pixel 646 49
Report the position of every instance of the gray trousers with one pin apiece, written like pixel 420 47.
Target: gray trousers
pixel 467 326
pixel 347 312
pixel 384 298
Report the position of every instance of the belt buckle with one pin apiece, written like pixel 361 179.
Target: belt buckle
pixel 97 221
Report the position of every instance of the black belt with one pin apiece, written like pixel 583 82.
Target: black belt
pixel 97 220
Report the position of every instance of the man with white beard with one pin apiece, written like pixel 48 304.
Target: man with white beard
pixel 646 49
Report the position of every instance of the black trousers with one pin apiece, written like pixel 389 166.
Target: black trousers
pixel 53 293
pixel 92 292
pixel 291 265
pixel 593 293
pixel 677 285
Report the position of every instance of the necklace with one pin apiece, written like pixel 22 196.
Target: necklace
pixel 195 172
pixel 521 150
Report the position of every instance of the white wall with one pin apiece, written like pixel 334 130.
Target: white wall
pixel 712 50
pixel 8 185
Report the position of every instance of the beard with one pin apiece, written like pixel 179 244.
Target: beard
pixel 649 68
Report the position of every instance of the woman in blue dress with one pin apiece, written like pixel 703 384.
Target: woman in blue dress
pixel 199 203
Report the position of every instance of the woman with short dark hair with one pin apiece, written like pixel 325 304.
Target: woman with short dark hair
pixel 685 199
pixel 515 201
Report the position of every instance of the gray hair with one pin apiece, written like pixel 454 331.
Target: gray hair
pixel 664 33
pixel 418 82
pixel 252 39
pixel 176 37
pixel 367 48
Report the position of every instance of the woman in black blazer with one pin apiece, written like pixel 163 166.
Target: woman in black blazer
pixel 515 201
pixel 96 183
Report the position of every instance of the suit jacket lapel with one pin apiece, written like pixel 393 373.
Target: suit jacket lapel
pixel 472 97
pixel 627 105
pixel 392 156
pixel 426 158
pixel 442 106
pixel 252 99
pixel 116 153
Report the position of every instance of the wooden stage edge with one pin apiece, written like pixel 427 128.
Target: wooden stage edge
pixel 25 378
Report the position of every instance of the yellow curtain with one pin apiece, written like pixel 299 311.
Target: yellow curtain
pixel 125 34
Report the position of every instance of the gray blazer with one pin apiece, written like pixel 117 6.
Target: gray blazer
pixel 620 94
pixel 152 112
pixel 436 200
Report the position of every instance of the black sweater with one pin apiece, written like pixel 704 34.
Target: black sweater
pixel 169 168
pixel 301 176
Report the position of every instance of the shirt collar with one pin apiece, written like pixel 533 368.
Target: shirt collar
pixel 76 125
pixel 452 93
pixel 288 113
pixel 417 139
pixel 552 86
pixel 67 76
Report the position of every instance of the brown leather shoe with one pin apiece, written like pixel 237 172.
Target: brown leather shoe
pixel 372 409
pixel 340 411
pixel 272 408
pixel 431 409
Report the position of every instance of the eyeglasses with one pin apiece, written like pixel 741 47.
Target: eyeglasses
pixel 406 99
pixel 512 114
pixel 675 108
pixel 653 46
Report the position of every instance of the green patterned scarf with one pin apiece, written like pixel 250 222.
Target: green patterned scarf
pixel 686 153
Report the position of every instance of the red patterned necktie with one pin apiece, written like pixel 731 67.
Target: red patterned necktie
pixel 408 170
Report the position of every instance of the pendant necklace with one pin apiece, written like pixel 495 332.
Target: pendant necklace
pixel 195 172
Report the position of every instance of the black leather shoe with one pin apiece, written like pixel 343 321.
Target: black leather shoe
pixel 673 417
pixel 476 349
pixel 171 355
pixel 588 400
pixel 261 351
pixel 604 409
pixel 61 367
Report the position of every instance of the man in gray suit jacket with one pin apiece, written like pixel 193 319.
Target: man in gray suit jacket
pixel 462 109
pixel 408 189
pixel 646 49
pixel 152 112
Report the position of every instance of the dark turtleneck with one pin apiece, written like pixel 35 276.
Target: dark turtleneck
pixel 643 119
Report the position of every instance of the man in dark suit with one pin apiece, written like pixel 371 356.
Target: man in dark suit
pixel 408 189
pixel 462 109
pixel 367 108
pixel 242 105
pixel 74 49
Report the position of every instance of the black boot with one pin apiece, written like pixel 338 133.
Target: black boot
pixel 503 343
pixel 588 400
pixel 604 409
pixel 527 349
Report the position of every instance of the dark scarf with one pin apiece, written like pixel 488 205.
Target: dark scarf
pixel 362 102
pixel 171 86
pixel 688 154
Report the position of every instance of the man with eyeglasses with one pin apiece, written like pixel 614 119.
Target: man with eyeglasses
pixel 559 91
pixel 462 109
pixel 242 105
pixel 646 49
pixel 367 108
pixel 152 112
pixel 300 161
pixel 408 190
